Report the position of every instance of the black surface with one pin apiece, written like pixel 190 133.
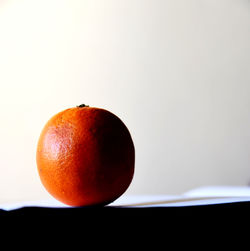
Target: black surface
pixel 120 228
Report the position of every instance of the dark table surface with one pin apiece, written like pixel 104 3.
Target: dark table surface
pixel 124 227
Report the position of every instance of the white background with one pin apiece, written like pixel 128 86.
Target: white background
pixel 176 72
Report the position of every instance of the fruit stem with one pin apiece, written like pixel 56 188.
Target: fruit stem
pixel 83 105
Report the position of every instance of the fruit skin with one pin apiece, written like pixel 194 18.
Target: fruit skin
pixel 85 156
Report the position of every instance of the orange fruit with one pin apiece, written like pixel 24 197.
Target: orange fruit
pixel 85 156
